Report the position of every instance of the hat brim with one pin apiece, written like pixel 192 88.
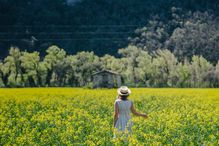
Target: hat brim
pixel 126 94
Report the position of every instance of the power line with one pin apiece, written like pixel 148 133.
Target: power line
pixel 67 26
pixel 46 33
pixel 68 39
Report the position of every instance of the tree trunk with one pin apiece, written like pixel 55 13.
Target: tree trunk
pixel 39 80
pixel 5 79
pixel 48 77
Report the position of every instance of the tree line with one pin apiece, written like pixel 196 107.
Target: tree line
pixel 137 67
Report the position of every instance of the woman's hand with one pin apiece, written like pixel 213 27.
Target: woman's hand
pixel 137 113
pixel 145 116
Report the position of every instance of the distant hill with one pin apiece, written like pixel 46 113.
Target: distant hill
pixel 102 26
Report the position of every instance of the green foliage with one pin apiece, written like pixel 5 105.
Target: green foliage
pixel 144 69
pixel 12 69
pixel 183 75
pixel 188 27
pixel 88 85
pixel 30 65
pixel 86 64
pixel 130 55
pixel 109 62
pixel 54 55
pixel 164 68
pixel 186 34
pixel 197 36
pixel 137 68
pixel 1 74
pixel 200 68
pixel 54 60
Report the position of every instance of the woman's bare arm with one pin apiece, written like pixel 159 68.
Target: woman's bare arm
pixel 137 113
pixel 116 113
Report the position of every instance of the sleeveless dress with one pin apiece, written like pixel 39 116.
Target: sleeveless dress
pixel 124 122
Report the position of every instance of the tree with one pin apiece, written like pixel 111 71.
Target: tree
pixel 130 55
pixel 12 71
pixel 71 73
pixel 60 72
pixel 106 61
pixel 183 74
pixel 216 76
pixel 4 74
pixel 164 65
pixel 199 35
pixel 144 69
pixel 200 69
pixel 53 57
pixel 1 75
pixel 151 37
pixel 217 72
pixel 33 69
pixel 86 63
pixel 111 63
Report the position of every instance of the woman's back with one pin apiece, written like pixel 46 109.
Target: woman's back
pixel 124 106
pixel 124 117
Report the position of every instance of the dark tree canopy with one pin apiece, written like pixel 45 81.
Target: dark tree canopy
pixel 102 26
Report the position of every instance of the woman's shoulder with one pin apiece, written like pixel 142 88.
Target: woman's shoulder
pixel 117 100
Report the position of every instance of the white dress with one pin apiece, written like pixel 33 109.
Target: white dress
pixel 124 122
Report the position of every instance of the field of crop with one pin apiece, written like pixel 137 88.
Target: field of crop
pixel 76 116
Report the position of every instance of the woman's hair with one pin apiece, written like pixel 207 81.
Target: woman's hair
pixel 124 97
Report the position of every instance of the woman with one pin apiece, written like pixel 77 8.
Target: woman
pixel 122 109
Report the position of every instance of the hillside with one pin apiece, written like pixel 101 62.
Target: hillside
pixel 105 26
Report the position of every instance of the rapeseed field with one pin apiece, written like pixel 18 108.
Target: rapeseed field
pixel 77 116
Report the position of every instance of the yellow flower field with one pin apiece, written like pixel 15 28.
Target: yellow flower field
pixel 76 116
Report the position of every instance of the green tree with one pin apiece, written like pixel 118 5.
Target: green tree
pixel 60 72
pixel 151 37
pixel 217 74
pixel 86 63
pixel 34 70
pixel 164 65
pixel 111 63
pixel 199 35
pixel 200 69
pixel 5 72
pixel 130 55
pixel 72 72
pixel 183 74
pixel 1 75
pixel 144 69
pixel 54 56
pixel 12 71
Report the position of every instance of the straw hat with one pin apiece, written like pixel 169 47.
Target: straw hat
pixel 124 90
